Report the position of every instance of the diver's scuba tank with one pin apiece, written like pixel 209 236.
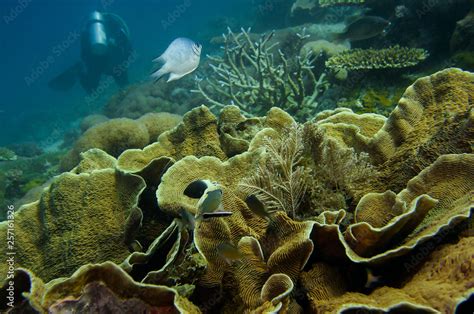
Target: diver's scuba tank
pixel 97 34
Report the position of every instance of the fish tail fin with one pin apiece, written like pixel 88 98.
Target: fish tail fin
pixel 174 77
pixel 158 74
pixel 159 59
pixel 337 37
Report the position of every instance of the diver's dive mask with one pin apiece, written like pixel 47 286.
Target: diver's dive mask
pixel 97 34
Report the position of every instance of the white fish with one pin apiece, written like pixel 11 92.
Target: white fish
pixel 180 58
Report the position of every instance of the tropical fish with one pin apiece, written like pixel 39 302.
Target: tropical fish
pixel 196 188
pixel 210 204
pixel 187 219
pixel 211 201
pixel 364 27
pixel 180 58
pixel 257 207
pixel 229 252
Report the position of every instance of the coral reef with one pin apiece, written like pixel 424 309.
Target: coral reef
pixel 18 177
pixel 448 269
pixel 300 6
pixel 251 77
pixel 140 99
pixel 7 154
pixel 100 288
pixel 117 135
pixel 363 213
pixel 322 46
pixel 434 117
pixel 394 57
pixel 92 120
pixel 281 180
pixel 159 122
pixel 461 40
pixel 79 219
pixel 26 149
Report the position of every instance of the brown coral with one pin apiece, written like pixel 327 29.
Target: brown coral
pixel 431 211
pixel 117 135
pixel 102 288
pixel 79 219
pixel 443 282
pixel 113 136
pixel 196 135
pixel 434 117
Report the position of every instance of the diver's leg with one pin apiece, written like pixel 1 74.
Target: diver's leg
pixel 90 80
pixel 121 78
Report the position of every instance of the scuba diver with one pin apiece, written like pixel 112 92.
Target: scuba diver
pixel 105 44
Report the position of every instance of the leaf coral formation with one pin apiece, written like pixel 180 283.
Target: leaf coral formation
pixel 399 215
pixel 117 135
pixel 394 57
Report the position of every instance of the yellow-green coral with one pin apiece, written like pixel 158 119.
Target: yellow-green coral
pixel 394 57
pixel 79 219
pixel 464 59
pixel 285 266
pixel 379 100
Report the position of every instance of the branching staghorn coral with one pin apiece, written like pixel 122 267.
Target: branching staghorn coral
pixel 250 76
pixel 281 180
pixel 394 57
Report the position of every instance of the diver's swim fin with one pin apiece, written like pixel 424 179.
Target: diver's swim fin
pixel 66 79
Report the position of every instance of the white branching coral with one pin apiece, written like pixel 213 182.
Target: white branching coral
pixel 251 76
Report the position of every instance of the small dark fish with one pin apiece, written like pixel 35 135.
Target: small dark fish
pixel 206 216
pixel 196 189
pixel 229 252
pixel 364 28
pixel 257 207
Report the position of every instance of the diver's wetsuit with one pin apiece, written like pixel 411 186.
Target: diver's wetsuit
pixel 113 61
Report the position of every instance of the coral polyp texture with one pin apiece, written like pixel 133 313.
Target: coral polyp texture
pixel 344 213
pixel 394 57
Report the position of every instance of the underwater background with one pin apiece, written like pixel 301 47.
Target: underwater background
pixel 40 40
pixel 238 156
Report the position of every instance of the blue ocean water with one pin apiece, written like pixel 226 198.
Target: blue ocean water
pixel 40 38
